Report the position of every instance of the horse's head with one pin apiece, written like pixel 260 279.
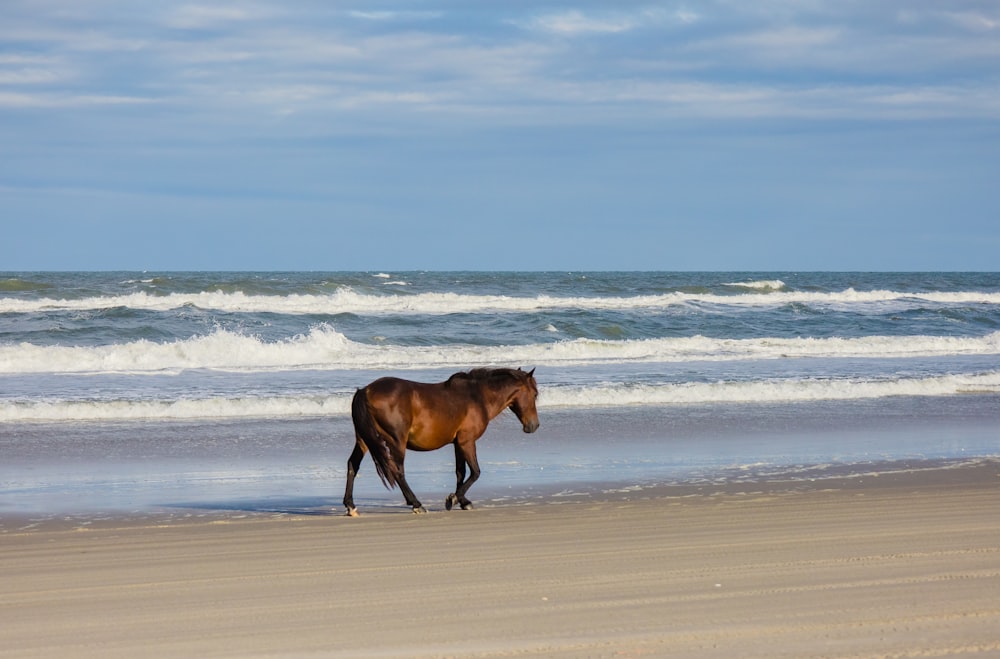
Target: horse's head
pixel 523 400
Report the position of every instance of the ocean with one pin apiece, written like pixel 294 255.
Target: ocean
pixel 212 390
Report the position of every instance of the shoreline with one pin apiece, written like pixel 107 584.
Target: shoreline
pixel 899 563
pixel 738 482
pixel 83 471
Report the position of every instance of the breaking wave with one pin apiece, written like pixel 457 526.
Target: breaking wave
pixel 325 348
pixel 762 285
pixel 781 391
pixel 765 293
pixel 608 395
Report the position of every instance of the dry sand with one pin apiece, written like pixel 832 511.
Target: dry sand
pixel 888 566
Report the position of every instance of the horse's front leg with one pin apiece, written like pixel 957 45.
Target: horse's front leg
pixel 460 478
pixel 465 454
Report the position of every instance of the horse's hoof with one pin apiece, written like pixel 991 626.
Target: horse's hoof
pixel 419 510
pixel 450 501
pixel 353 512
pixel 467 506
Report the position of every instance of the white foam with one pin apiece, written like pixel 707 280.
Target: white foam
pixel 607 395
pixel 220 350
pixel 348 301
pixel 762 285
pixel 324 348
pixel 783 391
pixel 215 408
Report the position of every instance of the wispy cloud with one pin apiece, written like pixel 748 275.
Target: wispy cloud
pixel 65 101
pixel 393 115
pixel 574 21
pixel 775 58
pixel 395 15
pixel 193 17
pixel 27 76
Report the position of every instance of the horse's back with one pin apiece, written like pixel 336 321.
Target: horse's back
pixel 427 415
pixel 397 389
pixel 396 401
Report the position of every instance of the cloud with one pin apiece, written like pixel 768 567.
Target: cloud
pixel 65 101
pixel 17 59
pixel 781 41
pixel 975 21
pixel 575 22
pixel 972 20
pixel 386 15
pixel 257 60
pixel 194 17
pixel 28 76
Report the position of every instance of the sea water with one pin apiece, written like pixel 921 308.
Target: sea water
pixel 125 389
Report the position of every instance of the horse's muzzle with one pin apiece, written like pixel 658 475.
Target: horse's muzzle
pixel 531 426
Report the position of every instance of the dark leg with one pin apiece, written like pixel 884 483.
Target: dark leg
pixel 468 455
pixel 353 463
pixel 460 474
pixel 411 499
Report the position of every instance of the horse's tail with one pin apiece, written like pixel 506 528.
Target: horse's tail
pixel 383 451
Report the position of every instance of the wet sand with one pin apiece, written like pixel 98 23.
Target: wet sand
pixel 904 564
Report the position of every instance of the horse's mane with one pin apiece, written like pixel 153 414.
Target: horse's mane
pixel 489 374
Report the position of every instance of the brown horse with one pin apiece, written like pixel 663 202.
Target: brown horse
pixel 391 415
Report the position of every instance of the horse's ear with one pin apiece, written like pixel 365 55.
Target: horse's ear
pixel 531 373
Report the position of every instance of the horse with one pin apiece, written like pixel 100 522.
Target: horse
pixel 391 415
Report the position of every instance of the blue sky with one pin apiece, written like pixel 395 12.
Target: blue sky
pixel 719 135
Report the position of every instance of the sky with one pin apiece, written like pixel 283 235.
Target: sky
pixel 499 135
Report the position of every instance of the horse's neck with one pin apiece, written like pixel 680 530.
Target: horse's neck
pixel 496 398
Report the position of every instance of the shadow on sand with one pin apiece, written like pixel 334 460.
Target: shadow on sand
pixel 304 506
pixel 315 506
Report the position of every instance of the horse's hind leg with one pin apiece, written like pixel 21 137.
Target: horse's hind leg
pixel 353 464
pixel 411 499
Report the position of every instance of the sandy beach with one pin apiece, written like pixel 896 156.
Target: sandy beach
pixel 884 564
